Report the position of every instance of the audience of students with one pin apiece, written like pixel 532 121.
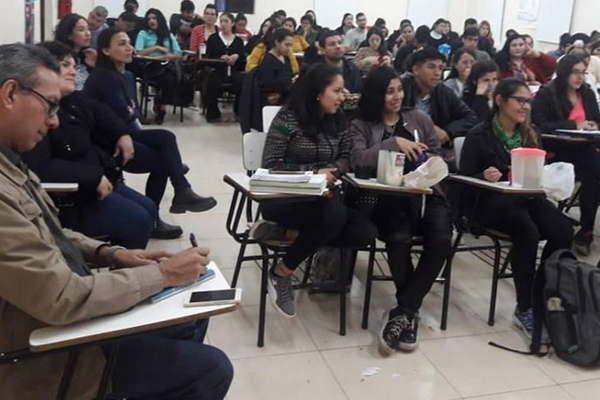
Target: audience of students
pixel 73 30
pixel 310 133
pixel 383 126
pixel 486 155
pixel 479 88
pixel 354 37
pixel 202 33
pixel 461 63
pixel 569 103
pixel 373 55
pixel 181 24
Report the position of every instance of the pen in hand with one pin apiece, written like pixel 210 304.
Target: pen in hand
pixel 193 240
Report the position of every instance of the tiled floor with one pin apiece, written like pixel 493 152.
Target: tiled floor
pixel 305 358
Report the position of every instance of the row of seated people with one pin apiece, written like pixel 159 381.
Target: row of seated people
pixel 311 133
pixel 45 269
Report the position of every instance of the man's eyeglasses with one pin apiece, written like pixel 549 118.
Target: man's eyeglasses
pixel 523 101
pixel 52 106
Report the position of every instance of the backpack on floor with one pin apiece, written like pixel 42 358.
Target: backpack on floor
pixel 571 308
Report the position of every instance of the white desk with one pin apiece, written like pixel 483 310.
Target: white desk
pixel 373 185
pixel 60 187
pixel 240 181
pixel 143 317
pixel 499 187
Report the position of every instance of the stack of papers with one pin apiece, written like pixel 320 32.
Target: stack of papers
pixel 288 182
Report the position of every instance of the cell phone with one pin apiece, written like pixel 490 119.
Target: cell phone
pixel 214 297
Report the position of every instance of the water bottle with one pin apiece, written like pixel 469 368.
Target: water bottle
pixel 445 49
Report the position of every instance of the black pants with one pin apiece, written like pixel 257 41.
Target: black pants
pixel 214 88
pixel 320 222
pixel 527 221
pixel 398 220
pixel 156 152
pixel 586 160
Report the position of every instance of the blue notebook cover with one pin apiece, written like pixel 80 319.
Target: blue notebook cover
pixel 171 291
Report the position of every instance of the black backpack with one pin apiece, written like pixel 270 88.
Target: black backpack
pixel 571 308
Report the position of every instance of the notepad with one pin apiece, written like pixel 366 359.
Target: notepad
pixel 171 291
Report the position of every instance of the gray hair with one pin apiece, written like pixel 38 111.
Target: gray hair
pixel 21 62
pixel 100 11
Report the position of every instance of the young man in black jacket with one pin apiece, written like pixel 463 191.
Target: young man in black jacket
pixel 424 90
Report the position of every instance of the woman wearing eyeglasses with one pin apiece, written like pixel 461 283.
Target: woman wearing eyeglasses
pixel 486 155
pixel 569 103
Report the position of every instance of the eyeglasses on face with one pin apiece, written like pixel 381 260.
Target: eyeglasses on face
pixel 523 101
pixel 52 106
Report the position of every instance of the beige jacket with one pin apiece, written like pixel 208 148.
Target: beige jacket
pixel 38 289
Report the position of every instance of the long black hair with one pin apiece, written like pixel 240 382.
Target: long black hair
pixel 456 58
pixel 104 39
pixel 561 82
pixel 503 56
pixel 372 99
pixel 382 50
pixel 65 28
pixel 341 28
pixel 505 89
pixel 304 102
pixel 480 68
pixel 162 31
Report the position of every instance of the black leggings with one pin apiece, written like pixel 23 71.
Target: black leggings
pixel 398 220
pixel 527 221
pixel 213 89
pixel 319 222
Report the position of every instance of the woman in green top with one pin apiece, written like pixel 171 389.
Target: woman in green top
pixel 156 41
pixel 307 29
pixel 486 155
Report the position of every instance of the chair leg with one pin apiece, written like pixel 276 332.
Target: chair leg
pixel 369 283
pixel 307 270
pixel 495 277
pixel 181 114
pixel 448 281
pixel 238 264
pixel 342 280
pixel 263 297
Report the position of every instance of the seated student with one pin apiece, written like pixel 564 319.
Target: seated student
pixel 278 17
pixel 156 41
pixel 256 39
pixel 486 38
pixel 256 57
pixel 241 30
pixel 51 262
pixel 313 15
pixel 127 23
pixel 569 103
pixel 309 134
pixel 518 60
pixel 373 55
pixel 401 38
pixel 480 87
pixel 439 34
pixel 403 53
pixel 383 126
pixel 354 37
pixel 299 44
pixel 486 155
pixel 470 40
pixel 275 75
pixel 73 30
pixel 462 62
pixel 104 205
pixel 229 48
pixel 331 47
pixel 592 67
pixel 307 29
pixel 181 25
pixel 563 43
pixel 201 33
pixel 97 23
pixel 156 150
pixel 424 90
pixel 347 24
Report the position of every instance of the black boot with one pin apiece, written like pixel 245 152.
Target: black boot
pixel 186 169
pixel 187 200
pixel 162 230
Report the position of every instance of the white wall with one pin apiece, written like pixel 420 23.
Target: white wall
pixel 12 21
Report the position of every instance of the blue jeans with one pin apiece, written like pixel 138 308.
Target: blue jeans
pixel 171 364
pixel 125 216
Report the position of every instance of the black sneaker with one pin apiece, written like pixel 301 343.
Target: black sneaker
pixel 409 336
pixel 582 242
pixel 162 230
pixel 187 200
pixel 389 334
pixel 263 230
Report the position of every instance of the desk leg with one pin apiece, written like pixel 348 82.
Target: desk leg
pixel 108 370
pixel 65 382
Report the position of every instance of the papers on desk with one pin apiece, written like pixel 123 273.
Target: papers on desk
pixel 301 182
pixel 578 132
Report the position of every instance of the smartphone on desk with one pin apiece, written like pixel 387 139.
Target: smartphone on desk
pixel 214 298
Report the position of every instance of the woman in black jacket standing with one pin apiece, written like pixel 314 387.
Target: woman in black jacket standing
pixel 569 103
pixel 486 155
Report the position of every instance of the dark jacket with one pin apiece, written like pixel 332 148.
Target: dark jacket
pixel 215 48
pixel 447 110
pixel 478 103
pixel 80 149
pixel 548 115
pixel 352 78
pixel 275 76
pixel 250 108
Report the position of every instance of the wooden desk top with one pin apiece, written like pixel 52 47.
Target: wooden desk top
pixel 143 317
pixel 500 187
pixel 60 187
pixel 241 181
pixel 372 185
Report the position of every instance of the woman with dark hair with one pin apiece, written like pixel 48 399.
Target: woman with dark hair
pixel 225 46
pixel 309 134
pixel 462 62
pixel 569 103
pixel 347 24
pixel 156 41
pixel 256 57
pixel 313 15
pixel 373 55
pixel 156 150
pixel 422 38
pixel 275 73
pixel 307 29
pixel 486 38
pixel 201 33
pixel 256 39
pixel 480 87
pixel 401 38
pixel 486 155
pixel 240 28
pixel 299 44
pixel 73 31
pixel 383 125
pixel 516 60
